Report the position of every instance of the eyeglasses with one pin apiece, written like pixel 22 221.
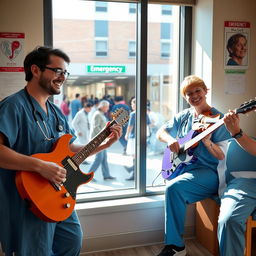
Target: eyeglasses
pixel 59 72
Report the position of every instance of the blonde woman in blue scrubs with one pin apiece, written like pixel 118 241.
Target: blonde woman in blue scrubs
pixel 198 179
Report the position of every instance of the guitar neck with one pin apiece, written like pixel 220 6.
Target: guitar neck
pixel 203 134
pixel 80 156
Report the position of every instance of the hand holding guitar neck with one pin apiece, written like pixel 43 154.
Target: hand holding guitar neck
pixel 232 121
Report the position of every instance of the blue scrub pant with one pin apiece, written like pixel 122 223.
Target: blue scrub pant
pixel 101 159
pixel 48 239
pixel 196 184
pixel 237 204
pixel 67 237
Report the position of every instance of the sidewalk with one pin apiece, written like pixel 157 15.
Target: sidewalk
pixel 117 161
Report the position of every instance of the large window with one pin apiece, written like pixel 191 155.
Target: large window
pixel 131 61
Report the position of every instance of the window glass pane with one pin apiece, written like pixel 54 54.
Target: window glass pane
pixel 132 49
pixel 100 69
pixel 166 30
pixel 101 28
pixel 165 49
pixel 132 8
pixel 166 10
pixel 101 6
pixel 101 48
pixel 163 52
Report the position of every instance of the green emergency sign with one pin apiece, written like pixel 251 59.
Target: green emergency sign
pixel 105 69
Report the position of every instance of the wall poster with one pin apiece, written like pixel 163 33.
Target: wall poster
pixel 236 48
pixel 11 52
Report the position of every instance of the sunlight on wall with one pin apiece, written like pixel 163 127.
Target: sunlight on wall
pixel 203 68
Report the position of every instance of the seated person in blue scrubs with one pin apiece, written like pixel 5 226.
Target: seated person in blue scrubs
pixel 199 178
pixel 239 199
pixel 30 124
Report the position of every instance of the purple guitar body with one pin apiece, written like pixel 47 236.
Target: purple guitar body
pixel 172 162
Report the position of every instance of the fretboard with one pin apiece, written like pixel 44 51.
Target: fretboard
pixel 80 156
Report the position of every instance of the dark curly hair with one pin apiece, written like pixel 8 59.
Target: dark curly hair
pixel 40 56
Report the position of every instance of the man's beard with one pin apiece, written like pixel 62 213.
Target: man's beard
pixel 46 85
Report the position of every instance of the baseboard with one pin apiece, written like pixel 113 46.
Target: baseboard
pixel 127 240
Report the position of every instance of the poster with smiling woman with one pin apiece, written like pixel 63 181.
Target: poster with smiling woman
pixel 236 48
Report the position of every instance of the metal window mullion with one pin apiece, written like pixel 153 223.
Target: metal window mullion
pixel 48 22
pixel 141 92
pixel 185 50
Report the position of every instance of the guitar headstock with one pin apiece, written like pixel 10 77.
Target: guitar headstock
pixel 246 107
pixel 121 116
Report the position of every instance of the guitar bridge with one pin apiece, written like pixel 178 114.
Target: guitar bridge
pixel 168 172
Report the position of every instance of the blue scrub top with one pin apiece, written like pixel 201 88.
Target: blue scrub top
pixel 20 228
pixel 181 124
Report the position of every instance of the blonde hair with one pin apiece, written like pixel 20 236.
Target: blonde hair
pixel 191 81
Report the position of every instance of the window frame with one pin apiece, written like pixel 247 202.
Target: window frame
pixel 185 39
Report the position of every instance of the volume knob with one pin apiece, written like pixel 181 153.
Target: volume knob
pixel 66 194
pixel 67 205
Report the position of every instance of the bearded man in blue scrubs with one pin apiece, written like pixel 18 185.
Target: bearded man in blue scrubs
pixel 30 124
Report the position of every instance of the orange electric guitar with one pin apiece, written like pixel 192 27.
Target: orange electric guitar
pixel 52 202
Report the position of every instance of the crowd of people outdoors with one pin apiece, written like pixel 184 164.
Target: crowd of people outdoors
pixel 88 117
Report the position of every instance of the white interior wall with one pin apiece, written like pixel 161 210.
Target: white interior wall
pixel 208 53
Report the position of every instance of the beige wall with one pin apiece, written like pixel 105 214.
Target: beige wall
pixel 24 16
pixel 208 48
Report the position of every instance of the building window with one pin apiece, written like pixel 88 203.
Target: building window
pixel 101 48
pixel 166 10
pixel 166 30
pixel 132 49
pixel 132 8
pixel 165 49
pixel 101 6
pixel 101 28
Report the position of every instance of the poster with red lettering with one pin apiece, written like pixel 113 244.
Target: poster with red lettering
pixel 11 52
pixel 236 48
